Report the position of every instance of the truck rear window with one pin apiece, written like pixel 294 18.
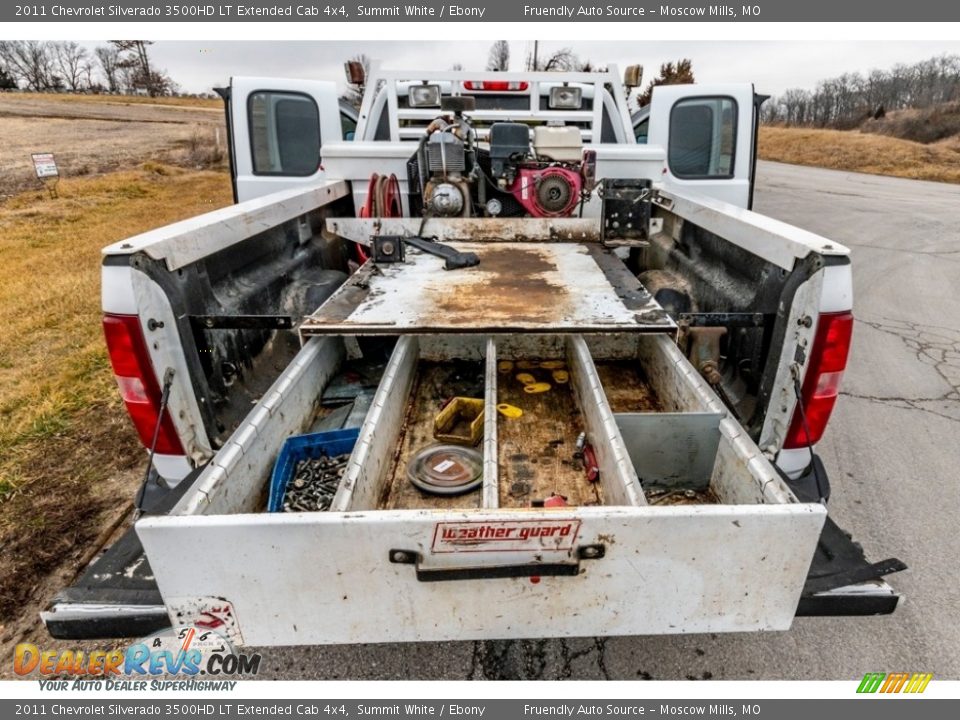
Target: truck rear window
pixel 703 133
pixel 284 133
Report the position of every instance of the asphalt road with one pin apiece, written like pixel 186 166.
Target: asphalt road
pixel 892 452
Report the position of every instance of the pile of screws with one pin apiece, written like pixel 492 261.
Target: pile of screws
pixel 315 482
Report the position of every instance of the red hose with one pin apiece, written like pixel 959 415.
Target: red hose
pixel 383 200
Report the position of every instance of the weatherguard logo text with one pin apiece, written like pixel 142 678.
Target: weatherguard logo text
pixel 894 682
pixel 505 535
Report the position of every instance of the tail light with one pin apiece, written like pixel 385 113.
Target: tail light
pixel 496 85
pixel 828 360
pixel 138 382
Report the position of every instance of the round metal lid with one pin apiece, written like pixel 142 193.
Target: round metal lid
pixel 446 470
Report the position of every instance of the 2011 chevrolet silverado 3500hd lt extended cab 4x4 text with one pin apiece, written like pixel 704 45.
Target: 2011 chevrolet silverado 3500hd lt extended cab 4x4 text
pixel 649 365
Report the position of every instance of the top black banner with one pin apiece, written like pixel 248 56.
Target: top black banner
pixel 481 11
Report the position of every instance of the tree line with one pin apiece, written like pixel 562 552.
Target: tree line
pixel 120 66
pixel 845 101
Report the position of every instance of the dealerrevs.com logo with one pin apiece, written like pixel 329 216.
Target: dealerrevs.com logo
pixel 186 653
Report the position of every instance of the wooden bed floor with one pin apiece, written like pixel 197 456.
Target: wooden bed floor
pixel 626 387
pixel 536 450
pixel 433 384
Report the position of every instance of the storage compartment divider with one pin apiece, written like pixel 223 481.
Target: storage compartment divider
pixel 678 433
pixel 760 485
pixel 373 475
pixel 237 478
pixel 672 450
pixel 374 452
pixel 491 497
pixel 677 383
pixel 619 480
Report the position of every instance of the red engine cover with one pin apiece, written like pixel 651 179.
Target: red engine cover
pixel 547 192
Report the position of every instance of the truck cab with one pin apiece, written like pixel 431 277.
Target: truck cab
pixel 489 220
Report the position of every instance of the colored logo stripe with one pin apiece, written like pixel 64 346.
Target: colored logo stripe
pixel 894 682
pixel 871 682
pixel 918 683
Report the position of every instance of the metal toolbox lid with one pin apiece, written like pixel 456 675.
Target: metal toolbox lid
pixel 522 287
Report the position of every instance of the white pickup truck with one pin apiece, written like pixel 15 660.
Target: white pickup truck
pixel 457 230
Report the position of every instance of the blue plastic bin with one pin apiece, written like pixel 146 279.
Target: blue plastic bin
pixel 301 447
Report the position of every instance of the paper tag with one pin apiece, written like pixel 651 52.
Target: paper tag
pixel 444 466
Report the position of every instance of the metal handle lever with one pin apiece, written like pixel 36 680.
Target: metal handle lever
pixel 494 572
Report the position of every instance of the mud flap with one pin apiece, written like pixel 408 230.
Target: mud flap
pixel 116 595
pixel 841 581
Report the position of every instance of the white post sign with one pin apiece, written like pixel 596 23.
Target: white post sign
pixel 45 165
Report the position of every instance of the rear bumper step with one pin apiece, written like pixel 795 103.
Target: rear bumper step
pixel 841 581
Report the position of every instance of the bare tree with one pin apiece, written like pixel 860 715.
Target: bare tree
pixel 7 80
pixel 126 75
pixel 70 58
pixel 563 60
pixel 87 70
pixel 848 100
pixel 670 74
pixel 499 58
pixel 109 58
pixel 134 54
pixel 30 62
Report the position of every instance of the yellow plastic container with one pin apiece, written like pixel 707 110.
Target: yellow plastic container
pixel 461 421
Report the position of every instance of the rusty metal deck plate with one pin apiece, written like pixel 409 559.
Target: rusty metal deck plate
pixel 517 287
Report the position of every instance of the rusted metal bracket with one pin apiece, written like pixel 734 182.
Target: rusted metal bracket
pixel 625 212
pixel 729 320
pixel 474 230
pixel 241 322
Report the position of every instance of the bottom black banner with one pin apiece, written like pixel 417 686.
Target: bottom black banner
pixel 879 709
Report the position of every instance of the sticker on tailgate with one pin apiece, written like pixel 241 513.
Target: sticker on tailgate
pixel 505 535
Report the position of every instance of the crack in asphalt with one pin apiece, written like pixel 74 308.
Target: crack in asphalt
pixel 933 345
pixel 529 659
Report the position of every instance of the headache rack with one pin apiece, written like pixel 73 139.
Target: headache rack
pixel 601 94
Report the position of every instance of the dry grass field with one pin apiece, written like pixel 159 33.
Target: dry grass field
pixel 863 152
pixel 127 100
pixel 69 459
pixel 92 134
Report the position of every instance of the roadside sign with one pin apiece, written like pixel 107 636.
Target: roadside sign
pixel 45 165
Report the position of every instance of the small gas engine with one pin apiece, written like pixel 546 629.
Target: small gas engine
pixel 546 175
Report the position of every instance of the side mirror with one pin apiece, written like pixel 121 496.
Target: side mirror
pixel 633 76
pixel 355 73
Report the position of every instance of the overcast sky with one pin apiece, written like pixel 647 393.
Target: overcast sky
pixel 771 66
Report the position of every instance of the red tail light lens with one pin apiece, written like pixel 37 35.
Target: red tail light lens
pixel 138 383
pixel 496 86
pixel 828 360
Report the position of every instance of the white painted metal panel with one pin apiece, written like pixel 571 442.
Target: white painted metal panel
pixel 518 287
pixel 735 189
pixel 324 578
pixel 249 183
pixel 356 162
pixel 767 238
pixel 183 243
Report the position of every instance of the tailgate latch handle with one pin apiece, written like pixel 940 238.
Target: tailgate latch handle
pixel 491 572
